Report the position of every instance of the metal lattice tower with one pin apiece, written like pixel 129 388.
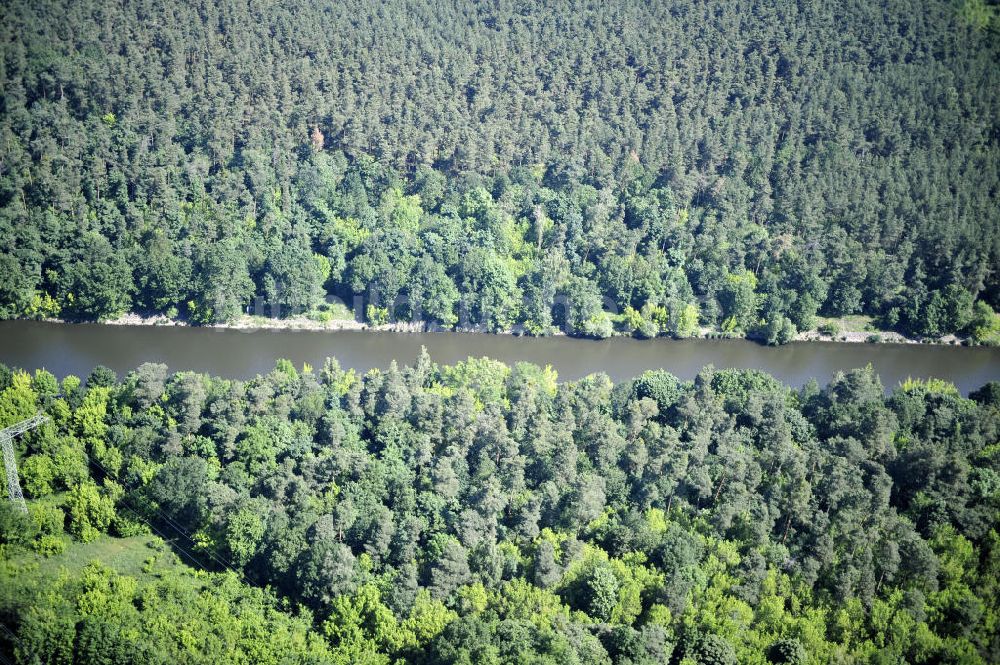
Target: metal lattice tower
pixel 7 443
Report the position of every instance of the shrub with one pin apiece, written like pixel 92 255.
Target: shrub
pixel 830 329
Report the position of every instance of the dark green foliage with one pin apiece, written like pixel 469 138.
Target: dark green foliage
pixel 15 526
pixel 789 651
pixel 99 281
pixel 178 490
pixel 741 166
pixel 660 386
pixel 596 594
pixel 101 377
pixel 712 650
pixel 778 329
pixel 327 567
pixel 988 395
pixel 481 641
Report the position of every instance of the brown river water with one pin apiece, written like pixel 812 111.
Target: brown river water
pixel 76 348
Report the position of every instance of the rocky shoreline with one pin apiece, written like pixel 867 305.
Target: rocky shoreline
pixel 251 323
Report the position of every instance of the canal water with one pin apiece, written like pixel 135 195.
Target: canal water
pixel 78 348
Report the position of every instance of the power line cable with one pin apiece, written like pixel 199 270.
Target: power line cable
pixel 14 637
pixel 224 563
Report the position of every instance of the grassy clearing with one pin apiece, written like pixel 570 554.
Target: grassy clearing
pixel 26 577
pixel 128 556
pixel 336 311
pixel 845 324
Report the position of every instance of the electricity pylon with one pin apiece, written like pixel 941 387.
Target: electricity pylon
pixel 7 443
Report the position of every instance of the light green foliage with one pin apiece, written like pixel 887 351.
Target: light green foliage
pixel 244 531
pixel 91 428
pixel 45 384
pixel 377 316
pixel 609 590
pixel 362 626
pixel 350 232
pixel 404 212
pixel 632 319
pixel 656 519
pixel 177 617
pixel 17 401
pixel 265 439
pixel 42 306
pixel 350 615
pixel 48 545
pixel 687 321
pixel 472 598
pixel 484 377
pixel 90 510
pixel 955 555
pixel 70 384
pixel 89 417
pixel 326 312
pixel 740 385
pixel 656 314
pixel 47 517
pixel 338 380
pixel 428 618
pixel 928 386
pixel 778 329
pixel 979 14
pixel 739 301
pixel 37 475
pixel 69 462
pixel 598 326
pixel 482 513
pixel 525 377
pixel 830 329
pixel 985 324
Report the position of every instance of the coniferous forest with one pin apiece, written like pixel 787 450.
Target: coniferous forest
pixel 482 513
pixel 635 167
pixel 679 168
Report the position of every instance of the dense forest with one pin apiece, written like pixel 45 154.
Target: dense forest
pixel 636 167
pixel 481 513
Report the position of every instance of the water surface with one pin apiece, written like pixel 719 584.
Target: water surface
pixel 77 348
